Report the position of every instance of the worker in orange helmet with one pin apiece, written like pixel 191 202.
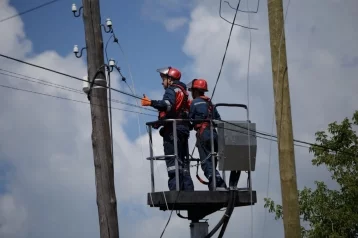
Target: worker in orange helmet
pixel 174 105
pixel 202 108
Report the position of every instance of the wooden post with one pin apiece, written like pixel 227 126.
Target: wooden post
pixel 101 140
pixel 291 219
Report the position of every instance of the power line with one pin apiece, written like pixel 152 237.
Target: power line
pixel 29 10
pixel 247 11
pixel 248 123
pixel 69 99
pixel 233 23
pixel 119 91
pixel 227 46
pixel 62 87
pixel 67 75
pixel 295 140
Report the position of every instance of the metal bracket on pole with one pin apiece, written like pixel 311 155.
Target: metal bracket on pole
pixel 98 82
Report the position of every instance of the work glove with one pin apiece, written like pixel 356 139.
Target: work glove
pixel 145 101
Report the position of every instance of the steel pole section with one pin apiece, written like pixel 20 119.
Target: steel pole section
pixel 198 229
pixel 176 154
pixel 151 158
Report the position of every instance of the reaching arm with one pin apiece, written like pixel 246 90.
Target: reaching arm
pixel 166 103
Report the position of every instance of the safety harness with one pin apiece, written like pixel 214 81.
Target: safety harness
pixel 182 110
pixel 200 127
pixel 179 111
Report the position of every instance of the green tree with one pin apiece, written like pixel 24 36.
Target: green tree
pixel 331 213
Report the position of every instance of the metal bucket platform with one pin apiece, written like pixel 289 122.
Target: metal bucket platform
pixel 199 204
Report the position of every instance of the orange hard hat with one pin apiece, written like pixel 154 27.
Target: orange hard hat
pixel 199 84
pixel 171 72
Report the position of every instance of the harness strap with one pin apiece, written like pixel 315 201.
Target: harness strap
pixel 198 177
pixel 201 126
pixel 185 101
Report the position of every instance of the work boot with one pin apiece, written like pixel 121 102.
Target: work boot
pixel 188 184
pixel 220 183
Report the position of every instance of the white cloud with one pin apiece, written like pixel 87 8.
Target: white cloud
pixel 52 189
pixel 321 89
pixel 12 217
pixel 167 12
pixel 175 23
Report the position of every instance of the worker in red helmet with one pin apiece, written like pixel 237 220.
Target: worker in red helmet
pixel 202 108
pixel 174 105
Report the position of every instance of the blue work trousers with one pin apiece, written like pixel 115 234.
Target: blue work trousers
pixel 186 183
pixel 203 143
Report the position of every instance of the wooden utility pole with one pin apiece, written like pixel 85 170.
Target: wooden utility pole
pixel 101 140
pixel 291 219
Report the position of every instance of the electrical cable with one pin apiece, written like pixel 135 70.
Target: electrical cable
pixel 269 172
pixel 248 126
pixel 223 228
pixel 181 185
pixel 295 140
pixel 233 23
pixel 122 92
pixel 227 46
pixel 166 225
pixel 133 92
pixel 64 74
pixel 233 181
pixel 151 144
pixel 29 10
pixel 105 48
pixel 247 11
pixel 69 99
pixel 62 87
pixel 155 159
pixel 120 109
pixel 39 81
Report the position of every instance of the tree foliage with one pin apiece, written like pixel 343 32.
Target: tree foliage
pixel 331 213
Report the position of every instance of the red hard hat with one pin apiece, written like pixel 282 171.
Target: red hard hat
pixel 200 84
pixel 171 72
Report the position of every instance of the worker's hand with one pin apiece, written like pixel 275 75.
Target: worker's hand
pixel 145 101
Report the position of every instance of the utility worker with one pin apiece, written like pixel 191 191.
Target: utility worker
pixel 174 105
pixel 202 108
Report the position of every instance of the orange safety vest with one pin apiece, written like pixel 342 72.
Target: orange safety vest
pixel 179 108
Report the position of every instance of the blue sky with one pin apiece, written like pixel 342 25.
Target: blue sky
pixel 54 28
pixel 141 37
pixel 46 160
